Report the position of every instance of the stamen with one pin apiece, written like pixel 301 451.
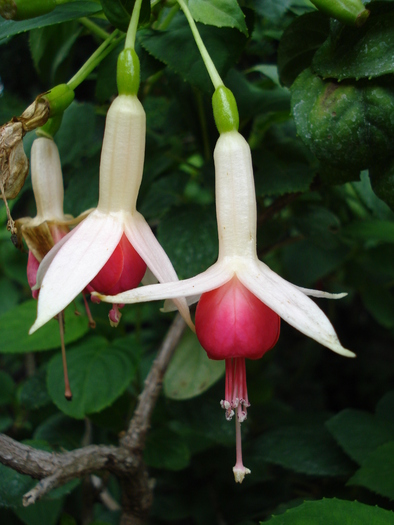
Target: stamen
pixel 67 390
pixel 92 322
pixel 239 470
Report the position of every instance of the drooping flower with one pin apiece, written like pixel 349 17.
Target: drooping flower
pixel 50 224
pixel 111 248
pixel 241 298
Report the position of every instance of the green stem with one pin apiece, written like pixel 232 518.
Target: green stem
pixel 212 71
pixel 154 3
pixel 101 52
pixel 168 19
pixel 94 28
pixel 132 29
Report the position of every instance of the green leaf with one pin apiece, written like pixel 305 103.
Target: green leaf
pixel 15 325
pixel 382 181
pixel 376 472
pixel 380 303
pixel 82 192
pixel 50 48
pixel 119 12
pixel 5 423
pixel 46 511
pixel 333 512
pixel 7 388
pixel 278 174
pixel 166 450
pixel 224 46
pixel 252 99
pixel 308 450
pixel 60 431
pixel 358 433
pixel 99 373
pixel 76 136
pixel 369 199
pixel 66 519
pixel 13 486
pixel 191 372
pixel 297 259
pixel 33 392
pixel 318 224
pixel 344 124
pixel 272 9
pixel 189 236
pixel 369 229
pixel 61 13
pixel 203 418
pixel 219 13
pixel 385 409
pixel 299 43
pixel 9 295
pixel 166 192
pixel 364 52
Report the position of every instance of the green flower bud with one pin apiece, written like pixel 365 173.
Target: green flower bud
pixel 225 110
pixel 59 98
pixel 350 12
pixel 128 72
pixel 24 9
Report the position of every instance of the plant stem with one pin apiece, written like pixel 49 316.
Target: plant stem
pixel 132 30
pixel 101 52
pixel 212 71
pixel 168 19
pixel 94 28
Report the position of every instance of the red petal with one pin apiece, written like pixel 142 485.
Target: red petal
pixel 232 322
pixel 123 271
pixel 31 270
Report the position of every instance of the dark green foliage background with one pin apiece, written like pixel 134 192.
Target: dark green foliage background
pixel 321 427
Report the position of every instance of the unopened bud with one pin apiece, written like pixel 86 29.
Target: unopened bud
pixel 225 110
pixel 128 72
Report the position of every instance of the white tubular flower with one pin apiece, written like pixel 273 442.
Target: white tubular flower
pixel 236 217
pixel 50 224
pixel 110 250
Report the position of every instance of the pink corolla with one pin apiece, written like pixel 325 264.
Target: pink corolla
pixel 110 250
pixel 241 300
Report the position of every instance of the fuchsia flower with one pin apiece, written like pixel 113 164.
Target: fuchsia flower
pixel 241 299
pixel 50 224
pixel 110 250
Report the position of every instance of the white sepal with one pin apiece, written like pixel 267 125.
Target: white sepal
pixel 319 293
pixel 215 276
pixel 76 263
pixel 47 260
pixel 292 305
